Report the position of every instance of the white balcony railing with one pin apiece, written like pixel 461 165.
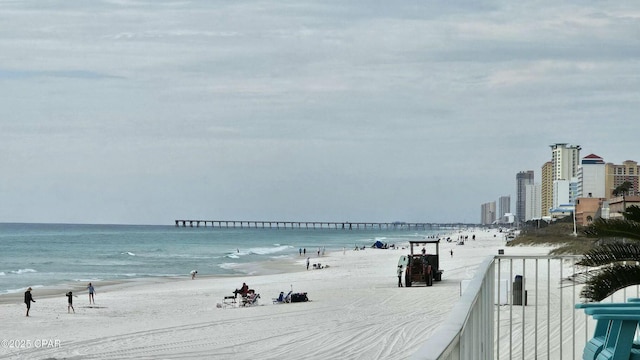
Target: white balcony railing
pixel 497 319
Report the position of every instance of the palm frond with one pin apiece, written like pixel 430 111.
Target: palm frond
pixel 632 213
pixel 611 253
pixel 609 280
pixel 614 228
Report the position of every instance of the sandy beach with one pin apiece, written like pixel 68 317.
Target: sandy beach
pixel 356 311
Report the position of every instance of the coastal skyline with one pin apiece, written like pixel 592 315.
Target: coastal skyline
pixel 129 112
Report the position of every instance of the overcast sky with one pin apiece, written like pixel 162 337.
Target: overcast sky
pixel 143 112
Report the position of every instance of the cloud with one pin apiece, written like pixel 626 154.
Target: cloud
pixel 373 111
pixel 71 74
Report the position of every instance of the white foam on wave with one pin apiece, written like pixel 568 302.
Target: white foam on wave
pixel 269 250
pixel 143 275
pixel 229 266
pixel 23 271
pixel 13 291
pixel 258 251
pixel 2 273
pixel 176 256
pixel 88 280
pixel 128 253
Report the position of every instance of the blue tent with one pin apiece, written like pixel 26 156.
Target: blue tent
pixel 378 244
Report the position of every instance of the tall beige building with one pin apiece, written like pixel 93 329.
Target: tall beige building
pixel 546 189
pixel 615 175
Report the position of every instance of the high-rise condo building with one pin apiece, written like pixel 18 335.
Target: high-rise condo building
pixel 591 177
pixel 616 175
pixel 504 205
pixel 546 189
pixel 533 210
pixel 488 213
pixel 523 179
pixel 566 160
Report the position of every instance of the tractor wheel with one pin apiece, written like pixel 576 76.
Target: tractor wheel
pixel 430 279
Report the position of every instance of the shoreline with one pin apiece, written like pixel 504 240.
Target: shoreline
pixel 253 259
pixel 261 268
pixel 353 300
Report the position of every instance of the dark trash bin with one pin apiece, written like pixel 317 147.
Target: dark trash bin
pixel 518 293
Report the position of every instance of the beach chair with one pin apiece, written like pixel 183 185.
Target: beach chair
pixel 250 300
pixel 283 299
pixel 616 325
pixel 279 299
pixel 623 323
pixel 595 345
pixel 229 301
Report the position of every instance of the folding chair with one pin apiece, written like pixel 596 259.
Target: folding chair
pixel 250 300
pixel 229 301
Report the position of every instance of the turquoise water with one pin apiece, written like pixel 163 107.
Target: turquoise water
pixel 52 254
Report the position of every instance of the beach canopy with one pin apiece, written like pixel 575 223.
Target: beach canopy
pixel 378 244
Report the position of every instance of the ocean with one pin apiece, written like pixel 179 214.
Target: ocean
pixel 42 255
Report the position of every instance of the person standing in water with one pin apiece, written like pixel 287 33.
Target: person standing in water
pixel 28 299
pixel 91 292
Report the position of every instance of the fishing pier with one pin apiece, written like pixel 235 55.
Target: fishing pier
pixel 316 225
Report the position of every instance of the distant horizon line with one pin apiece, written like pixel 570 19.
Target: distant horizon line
pixel 172 224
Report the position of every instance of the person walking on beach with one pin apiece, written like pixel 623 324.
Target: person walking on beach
pixel 91 292
pixel 307 263
pixel 451 252
pixel 300 251
pixel 193 274
pixel 70 295
pixel 399 275
pixel 304 251
pixel 28 299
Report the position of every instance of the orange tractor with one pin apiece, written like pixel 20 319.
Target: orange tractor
pixel 421 266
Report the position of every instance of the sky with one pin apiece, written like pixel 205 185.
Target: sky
pixel 143 112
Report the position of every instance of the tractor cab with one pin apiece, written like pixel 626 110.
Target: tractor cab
pixel 423 263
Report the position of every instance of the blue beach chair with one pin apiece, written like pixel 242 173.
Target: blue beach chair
pixel 616 325
pixel 623 323
pixel 282 298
